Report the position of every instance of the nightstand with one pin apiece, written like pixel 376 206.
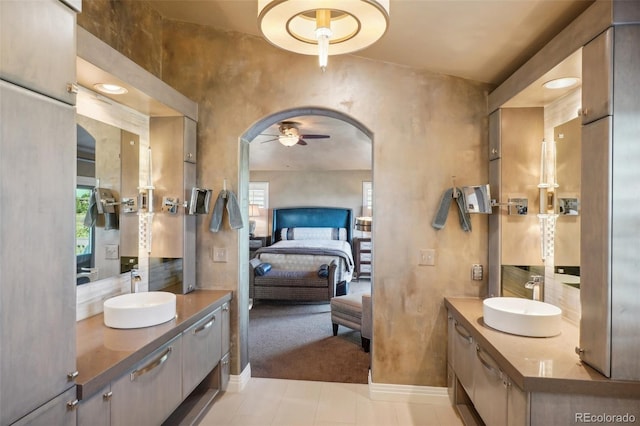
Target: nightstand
pixel 255 243
pixel 363 256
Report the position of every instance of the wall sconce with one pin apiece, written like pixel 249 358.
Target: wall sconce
pixel 547 190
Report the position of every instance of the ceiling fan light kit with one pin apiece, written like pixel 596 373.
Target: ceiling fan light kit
pixel 290 135
pixel 323 27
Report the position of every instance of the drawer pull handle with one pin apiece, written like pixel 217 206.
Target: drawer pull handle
pixel 486 365
pixel 225 308
pixel 205 326
pixel 462 332
pixel 72 405
pixel 153 364
pixel 72 375
pixel 107 396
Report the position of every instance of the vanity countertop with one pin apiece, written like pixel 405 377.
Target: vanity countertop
pixel 539 364
pixel 104 354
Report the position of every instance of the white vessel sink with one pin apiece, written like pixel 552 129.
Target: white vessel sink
pixel 137 310
pixel 523 317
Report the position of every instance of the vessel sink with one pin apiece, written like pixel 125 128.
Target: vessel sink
pixel 523 317
pixel 137 310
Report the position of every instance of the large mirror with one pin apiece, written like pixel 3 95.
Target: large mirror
pixel 106 199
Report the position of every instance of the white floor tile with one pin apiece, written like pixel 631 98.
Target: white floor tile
pixel 273 402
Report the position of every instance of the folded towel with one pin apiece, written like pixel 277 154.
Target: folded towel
pixel 445 203
pixel 262 269
pixel 323 272
pixel 463 212
pixel 218 210
pixel 235 216
pixel 92 212
pixel 233 210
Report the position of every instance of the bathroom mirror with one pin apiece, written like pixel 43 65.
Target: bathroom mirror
pixel 106 229
pixel 568 137
pixel 478 198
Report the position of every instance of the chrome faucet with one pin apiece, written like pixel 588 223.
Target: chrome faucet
pixel 135 279
pixel 537 285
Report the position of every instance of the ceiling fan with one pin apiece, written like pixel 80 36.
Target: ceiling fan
pixel 290 135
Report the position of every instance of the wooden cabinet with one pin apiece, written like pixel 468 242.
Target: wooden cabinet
pixel 202 347
pixel 489 389
pixel 149 393
pixel 363 256
pixel 609 339
pixel 494 135
pixel 463 356
pixel 597 77
pixel 37 295
pixel 96 411
pixel 59 411
pixel 38 45
pixel 190 140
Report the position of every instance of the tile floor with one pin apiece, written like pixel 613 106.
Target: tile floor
pixel 278 402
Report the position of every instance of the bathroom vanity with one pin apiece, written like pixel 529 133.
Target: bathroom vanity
pixel 505 379
pixel 171 371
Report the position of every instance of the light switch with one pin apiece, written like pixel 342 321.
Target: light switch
pixel 427 257
pixel 219 254
pixel 111 251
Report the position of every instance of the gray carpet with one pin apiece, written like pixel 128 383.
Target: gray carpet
pixel 295 341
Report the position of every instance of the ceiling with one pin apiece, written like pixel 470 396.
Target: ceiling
pixel 481 40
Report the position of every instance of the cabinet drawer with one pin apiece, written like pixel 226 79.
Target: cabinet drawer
pixel 201 350
pixel 365 257
pixel 151 391
pixel 365 245
pixel 489 389
pixel 224 372
pixel 463 356
pixel 96 411
pixel 55 412
pixel 365 269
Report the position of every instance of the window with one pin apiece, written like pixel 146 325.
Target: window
pixel 259 194
pixel 84 234
pixel 367 198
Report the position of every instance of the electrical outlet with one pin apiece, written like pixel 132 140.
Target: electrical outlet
pixel 476 272
pixel 219 254
pixel 427 257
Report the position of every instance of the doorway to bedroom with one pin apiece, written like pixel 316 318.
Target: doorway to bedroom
pixel 330 165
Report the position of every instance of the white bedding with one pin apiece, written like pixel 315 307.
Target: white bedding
pixel 309 257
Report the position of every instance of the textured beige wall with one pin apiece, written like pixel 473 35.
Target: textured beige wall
pixel 426 127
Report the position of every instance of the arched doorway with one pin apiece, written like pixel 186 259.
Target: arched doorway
pixel 260 127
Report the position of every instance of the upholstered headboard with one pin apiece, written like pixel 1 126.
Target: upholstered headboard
pixel 311 217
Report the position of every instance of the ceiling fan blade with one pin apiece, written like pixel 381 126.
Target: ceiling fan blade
pixel 315 136
pixel 301 142
pixel 270 140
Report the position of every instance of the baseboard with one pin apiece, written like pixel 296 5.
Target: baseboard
pixel 238 382
pixel 408 393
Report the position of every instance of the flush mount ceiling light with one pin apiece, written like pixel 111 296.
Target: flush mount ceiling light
pixel 111 89
pixel 290 136
pixel 561 83
pixel 323 27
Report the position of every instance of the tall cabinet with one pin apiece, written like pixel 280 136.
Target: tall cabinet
pixel 37 210
pixel 610 225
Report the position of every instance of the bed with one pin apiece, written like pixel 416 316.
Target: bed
pixel 304 240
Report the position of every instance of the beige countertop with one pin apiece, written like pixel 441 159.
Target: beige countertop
pixel 547 364
pixel 103 354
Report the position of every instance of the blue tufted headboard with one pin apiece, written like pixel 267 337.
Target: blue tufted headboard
pixel 313 217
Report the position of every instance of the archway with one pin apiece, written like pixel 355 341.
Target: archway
pixel 243 188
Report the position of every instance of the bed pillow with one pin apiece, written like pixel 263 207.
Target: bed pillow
pixel 305 233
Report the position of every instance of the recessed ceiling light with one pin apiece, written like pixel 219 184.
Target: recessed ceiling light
pixel 112 89
pixel 561 83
